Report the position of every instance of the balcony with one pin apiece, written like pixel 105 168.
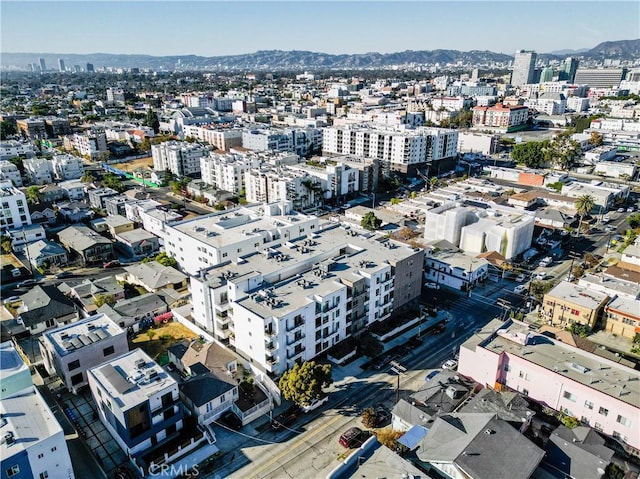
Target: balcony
pixel 295 354
pixel 296 339
pixel 269 332
pixel 294 326
pixel 270 346
pixel 272 360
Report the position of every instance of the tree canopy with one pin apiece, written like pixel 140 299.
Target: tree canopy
pixel 531 153
pixel 370 221
pixel 112 181
pixel 303 383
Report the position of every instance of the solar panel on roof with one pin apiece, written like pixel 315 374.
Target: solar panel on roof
pixel 75 342
pixel 101 334
pixel 115 378
pixel 67 345
pixel 85 339
pixel 94 337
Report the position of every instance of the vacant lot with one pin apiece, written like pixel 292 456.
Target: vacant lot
pixel 156 341
pixel 132 165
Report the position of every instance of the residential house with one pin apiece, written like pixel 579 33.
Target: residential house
pixel 75 211
pixel 26 235
pixel 74 189
pixel 112 225
pixel 446 265
pixel 46 253
pixel 86 292
pixel 45 307
pixel 98 196
pixel 137 243
pixel 87 244
pixel 153 276
pixel 71 350
pixel 43 214
pixel 51 193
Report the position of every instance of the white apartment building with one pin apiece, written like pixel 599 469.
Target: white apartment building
pixel 74 189
pixel 299 141
pixel 398 149
pixel 16 149
pixel 335 180
pixel 604 194
pixel 222 139
pixel 181 158
pixel 227 171
pixel 33 443
pixel 478 142
pixel 10 172
pixel 601 393
pixel 71 350
pixel 508 231
pixel 39 171
pixel 209 240
pixel 15 212
pixel 91 144
pixel 548 103
pixel 67 167
pixel 139 404
pixel 268 185
pixel 299 297
pixel 577 103
pixel 614 124
pixel 451 103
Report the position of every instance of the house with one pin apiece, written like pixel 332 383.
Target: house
pixel 87 244
pixel 89 290
pixel 470 445
pixel 33 442
pixel 148 305
pixel 75 211
pixel 137 243
pixel 71 350
pixel 113 225
pixel 26 235
pixel 98 196
pixel 45 307
pixel 45 253
pixel 578 452
pixel 569 303
pixel 153 276
pixel 556 219
pixel 42 213
pixel 446 265
pixel 51 193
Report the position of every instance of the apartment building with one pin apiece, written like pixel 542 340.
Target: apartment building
pixel 222 138
pixel 181 158
pixel 205 241
pixel 39 171
pixel 300 296
pixel 600 77
pixel 71 350
pixel 299 141
pixel 601 393
pixel 16 149
pixel 446 265
pixel 67 167
pixel 478 143
pixel 227 171
pixel 524 66
pixel 31 128
pixel 500 117
pixel 15 212
pixel 569 303
pixel 398 149
pixel 450 103
pixel 33 443
pixel 548 103
pixel 508 231
pixel 56 127
pixel 604 194
pixel 139 404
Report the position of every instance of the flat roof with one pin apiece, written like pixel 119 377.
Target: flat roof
pixel 29 419
pixel 132 378
pixel 600 374
pixel 10 361
pixel 72 337
pixel 577 294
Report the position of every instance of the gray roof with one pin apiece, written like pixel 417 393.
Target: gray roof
pixel 578 452
pixel 140 305
pixel 205 387
pixel 411 414
pixel 81 238
pixel 90 288
pixel 155 275
pixel 509 406
pixel 44 302
pixel 45 248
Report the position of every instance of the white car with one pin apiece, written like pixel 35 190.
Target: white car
pixel 432 285
pixel 450 364
pixel 316 403
pixel 520 278
pixel 520 289
pixel 12 299
pixel 620 210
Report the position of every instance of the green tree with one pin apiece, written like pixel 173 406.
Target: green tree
pixel 165 260
pixel 33 194
pixel 634 220
pixel 369 418
pixel 113 181
pixel 87 177
pixel 102 299
pixel 168 177
pixel 6 244
pixel 556 186
pixel 303 383
pixel 562 152
pixel 596 138
pixel 531 153
pixel 584 205
pixel 7 129
pixel 151 120
pixel 19 162
pixel 539 288
pixel 370 221
pixel 433 183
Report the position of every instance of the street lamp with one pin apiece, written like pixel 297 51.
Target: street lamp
pixel 400 371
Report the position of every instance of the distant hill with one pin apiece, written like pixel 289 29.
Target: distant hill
pixel 299 60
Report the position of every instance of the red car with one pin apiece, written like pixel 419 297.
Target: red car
pixel 111 264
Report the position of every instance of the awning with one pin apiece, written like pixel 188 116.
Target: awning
pixel 413 436
pixel 163 317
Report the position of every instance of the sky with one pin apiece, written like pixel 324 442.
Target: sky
pixel 217 28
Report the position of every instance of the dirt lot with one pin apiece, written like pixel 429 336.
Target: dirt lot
pixel 157 340
pixel 131 166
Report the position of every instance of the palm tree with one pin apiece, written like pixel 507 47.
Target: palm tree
pixel 584 205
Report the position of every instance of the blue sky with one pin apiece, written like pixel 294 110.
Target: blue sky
pixel 212 28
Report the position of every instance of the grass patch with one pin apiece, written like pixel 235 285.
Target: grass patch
pixel 156 341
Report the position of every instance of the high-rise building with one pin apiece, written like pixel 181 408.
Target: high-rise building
pixel 546 75
pixel 60 64
pixel 43 65
pixel 568 70
pixel 523 68
pixel 600 77
pixel 90 68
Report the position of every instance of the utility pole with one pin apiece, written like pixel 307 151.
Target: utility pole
pixel 506 307
pixel 400 371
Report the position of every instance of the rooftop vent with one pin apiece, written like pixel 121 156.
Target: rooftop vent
pixel 140 363
pixel 489 431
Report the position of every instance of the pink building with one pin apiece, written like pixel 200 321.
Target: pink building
pixel 502 117
pixel 601 393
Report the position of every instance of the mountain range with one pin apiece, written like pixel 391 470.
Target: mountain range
pixel 297 60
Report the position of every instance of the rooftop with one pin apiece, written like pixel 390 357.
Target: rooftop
pixel 10 361
pixel 576 294
pixel 132 378
pixel 72 337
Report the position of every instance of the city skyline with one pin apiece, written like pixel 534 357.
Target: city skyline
pixel 332 27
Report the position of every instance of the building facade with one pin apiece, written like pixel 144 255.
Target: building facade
pixel 181 158
pixel 15 212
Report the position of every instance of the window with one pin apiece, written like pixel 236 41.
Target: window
pixel 524 375
pixel 40 456
pixel 623 420
pixel 588 404
pixel 603 411
pixel 76 379
pixel 53 449
pixel 108 351
pixel 13 470
pixel 44 475
pixel 567 395
pixel 74 365
pixel 507 368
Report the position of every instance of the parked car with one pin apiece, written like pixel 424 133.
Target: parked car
pixel 606 219
pixel 521 288
pixel 432 285
pixel 12 299
pixel 64 274
pixel 314 404
pixel 230 420
pixel 383 416
pixel 27 283
pixel 450 364
pixel 631 209
pixel 286 418
pixel 620 210
pixel 540 276
pixel 521 277
pixel 111 264
pixel 352 437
